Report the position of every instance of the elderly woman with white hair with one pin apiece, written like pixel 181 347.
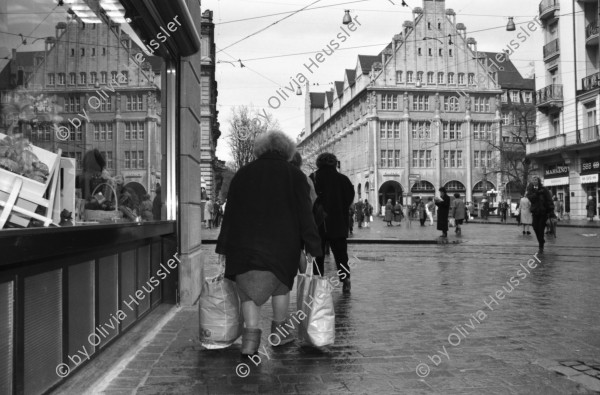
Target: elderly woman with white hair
pixel 268 219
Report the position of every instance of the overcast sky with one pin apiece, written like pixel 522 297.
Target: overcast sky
pixel 311 30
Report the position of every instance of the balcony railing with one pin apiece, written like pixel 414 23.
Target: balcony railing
pixel 551 49
pixel 548 144
pixel 550 97
pixel 590 82
pixel 547 8
pixel 588 135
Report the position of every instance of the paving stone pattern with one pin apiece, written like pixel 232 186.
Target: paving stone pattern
pixel 411 305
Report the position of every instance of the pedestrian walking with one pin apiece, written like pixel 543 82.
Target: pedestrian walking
pixel 389 215
pixel 359 213
pixel 217 212
pixel 335 193
pixel 443 204
pixel 208 213
pixel 525 217
pixel 368 209
pixel 458 212
pixel 260 239
pixel 430 207
pixel 558 208
pixel 422 212
pixel 591 208
pixel 502 210
pixel 157 203
pixel 485 208
pixel 398 212
pixel 542 208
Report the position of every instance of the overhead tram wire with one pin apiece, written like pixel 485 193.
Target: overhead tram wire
pixel 265 28
pixel 39 24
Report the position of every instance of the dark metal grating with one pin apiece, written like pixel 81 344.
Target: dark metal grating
pixel 6 337
pixel 43 330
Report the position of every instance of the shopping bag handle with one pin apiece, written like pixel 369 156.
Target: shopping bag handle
pixel 312 264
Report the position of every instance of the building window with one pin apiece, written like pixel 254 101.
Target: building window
pixel 106 104
pixel 72 78
pixel 461 78
pixel 430 78
pixel 135 102
pixel 397 158
pixel 113 76
pixel 103 76
pixel 75 134
pixel 72 104
pixel 421 158
pixel 450 52
pixel 419 51
pixel 126 75
pixel 471 79
pixel 421 130
pixel 528 96
pixel 445 159
pixel 450 78
pixel 134 131
pixel 481 104
pixel 390 158
pixel 108 157
pixel 93 77
pixel 51 79
pixel 396 130
pixel 134 159
pixel 505 119
pixel 409 77
pixel 398 77
pixel 61 78
pixel 103 51
pixel 476 159
pixel 481 131
pixel 421 103
pixel 514 96
pixel 451 103
pixel 441 52
pixel 452 131
pixel 94 54
pixel 141 163
pixel 439 25
pixel 383 158
pixel 459 160
pixel 103 131
pixel 430 51
pixel 82 78
pixel 389 102
pixel 429 25
pixel 128 159
pixel 452 159
pixel 440 78
pixel 420 76
pixel 82 51
pixel 72 51
pixel 482 159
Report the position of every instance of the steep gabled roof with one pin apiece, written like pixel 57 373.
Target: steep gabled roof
pixel 351 76
pixel 329 95
pixel 317 99
pixel 510 77
pixel 339 88
pixel 366 62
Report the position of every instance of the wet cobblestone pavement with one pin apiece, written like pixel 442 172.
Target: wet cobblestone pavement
pixel 457 306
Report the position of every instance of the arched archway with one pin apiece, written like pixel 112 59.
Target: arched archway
pixel 480 190
pixel 422 190
pixel 455 186
pixel 390 190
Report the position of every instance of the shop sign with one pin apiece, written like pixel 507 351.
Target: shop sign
pixel 553 182
pixel 589 178
pixel 556 171
pixel 388 174
pixel 590 166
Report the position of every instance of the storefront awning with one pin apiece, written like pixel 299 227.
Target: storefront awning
pixel 553 182
pixel 589 178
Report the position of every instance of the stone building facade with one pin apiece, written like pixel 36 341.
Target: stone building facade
pixel 423 113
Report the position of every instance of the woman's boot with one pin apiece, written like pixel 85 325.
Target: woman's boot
pixel 250 341
pixel 280 333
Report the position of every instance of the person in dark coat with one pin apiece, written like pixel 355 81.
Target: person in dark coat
pixel 443 205
pixel 389 215
pixel 422 212
pixel 261 239
pixel 336 193
pixel 542 208
pixel 359 213
pixel 398 212
pixel 590 208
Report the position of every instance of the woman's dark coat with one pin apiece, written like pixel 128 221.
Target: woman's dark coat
pixel 268 217
pixel 442 214
pixel 541 202
pixel 398 212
